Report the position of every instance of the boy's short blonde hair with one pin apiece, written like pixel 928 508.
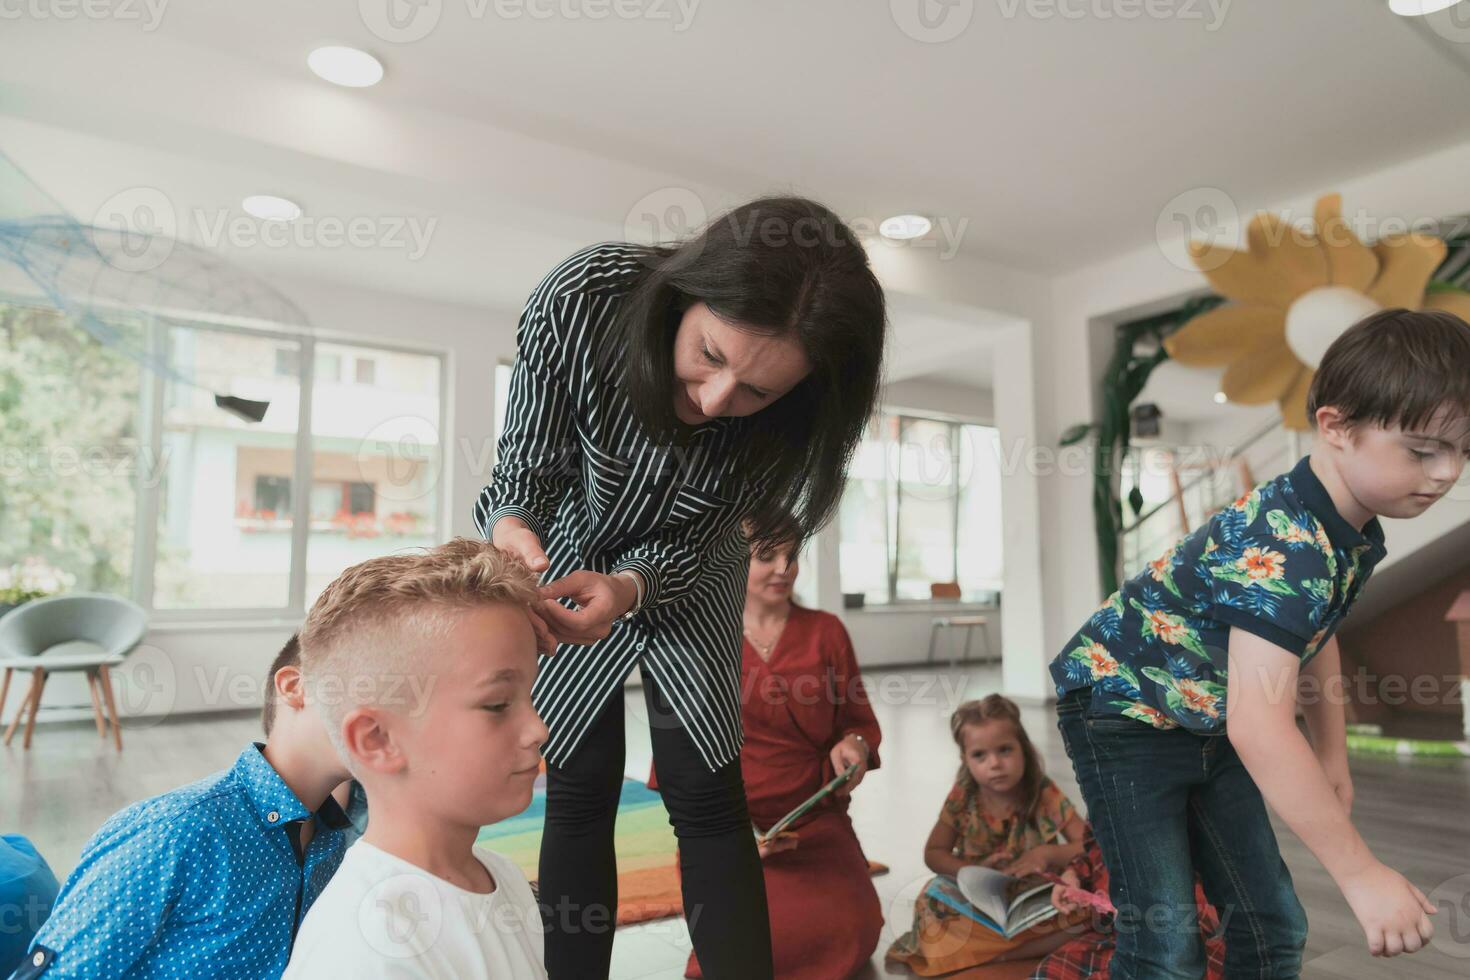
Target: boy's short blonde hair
pixel 367 631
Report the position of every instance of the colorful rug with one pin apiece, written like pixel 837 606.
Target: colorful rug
pixel 648 886
pixel 648 875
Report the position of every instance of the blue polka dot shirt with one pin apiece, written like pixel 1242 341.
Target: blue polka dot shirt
pixel 203 881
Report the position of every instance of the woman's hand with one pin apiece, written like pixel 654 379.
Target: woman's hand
pixel 845 753
pixel 511 534
pixel 600 598
pixel 784 841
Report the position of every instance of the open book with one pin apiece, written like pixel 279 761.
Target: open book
pixel 780 825
pixel 997 901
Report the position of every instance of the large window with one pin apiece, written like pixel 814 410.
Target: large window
pixel 922 506
pixel 248 518
pixel 69 449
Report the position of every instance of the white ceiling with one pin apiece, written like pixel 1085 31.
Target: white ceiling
pixel 1040 142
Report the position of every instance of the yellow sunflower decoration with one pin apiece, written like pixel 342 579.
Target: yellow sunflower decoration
pixel 1292 292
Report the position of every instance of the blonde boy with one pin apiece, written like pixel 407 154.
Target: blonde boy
pixel 421 665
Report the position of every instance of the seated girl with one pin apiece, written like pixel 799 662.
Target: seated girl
pixel 1002 813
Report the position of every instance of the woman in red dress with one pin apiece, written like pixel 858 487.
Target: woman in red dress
pixel 806 717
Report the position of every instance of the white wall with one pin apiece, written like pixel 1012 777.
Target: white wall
pixel 968 404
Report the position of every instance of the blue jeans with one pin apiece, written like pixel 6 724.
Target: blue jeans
pixel 1164 806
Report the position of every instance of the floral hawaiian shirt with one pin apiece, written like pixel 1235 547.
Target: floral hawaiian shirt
pixel 1280 562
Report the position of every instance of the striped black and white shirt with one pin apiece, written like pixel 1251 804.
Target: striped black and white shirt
pixel 576 465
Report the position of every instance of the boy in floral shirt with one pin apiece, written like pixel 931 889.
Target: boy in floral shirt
pixel 1240 612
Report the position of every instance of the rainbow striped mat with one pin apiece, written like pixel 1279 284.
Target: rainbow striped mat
pixel 648 880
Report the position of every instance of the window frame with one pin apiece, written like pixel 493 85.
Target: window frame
pixel 151 391
pixel 893 500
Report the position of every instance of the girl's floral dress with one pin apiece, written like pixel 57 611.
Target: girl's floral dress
pixel 943 940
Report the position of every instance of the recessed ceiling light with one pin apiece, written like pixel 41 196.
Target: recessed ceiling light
pixel 1220 398
pixel 901 227
pixel 346 66
pixel 267 207
pixel 1418 8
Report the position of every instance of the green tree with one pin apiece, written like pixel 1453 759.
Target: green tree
pixel 69 448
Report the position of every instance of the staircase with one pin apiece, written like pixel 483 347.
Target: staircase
pixel 1205 479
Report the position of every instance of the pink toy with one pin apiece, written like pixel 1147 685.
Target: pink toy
pixel 1081 896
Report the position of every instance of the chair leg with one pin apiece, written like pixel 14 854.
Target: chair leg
pixel 35 706
pixel 25 703
pixel 96 704
pixel 933 635
pixel 5 690
pixel 106 680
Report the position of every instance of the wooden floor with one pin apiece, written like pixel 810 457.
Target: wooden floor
pixel 1414 814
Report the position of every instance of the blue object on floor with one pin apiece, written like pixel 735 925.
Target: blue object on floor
pixel 27 890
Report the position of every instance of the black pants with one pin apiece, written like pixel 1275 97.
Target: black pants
pixel 724 888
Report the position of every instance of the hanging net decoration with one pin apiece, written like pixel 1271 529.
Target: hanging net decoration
pixel 99 276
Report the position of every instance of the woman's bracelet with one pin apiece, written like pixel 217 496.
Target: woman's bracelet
pixel 638 585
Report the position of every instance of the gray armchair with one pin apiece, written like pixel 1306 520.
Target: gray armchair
pixel 86 632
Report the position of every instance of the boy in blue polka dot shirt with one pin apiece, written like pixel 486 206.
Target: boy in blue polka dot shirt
pixel 212 879
pixel 1242 613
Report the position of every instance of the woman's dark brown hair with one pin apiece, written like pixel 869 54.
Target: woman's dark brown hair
pixel 998 707
pixel 781 266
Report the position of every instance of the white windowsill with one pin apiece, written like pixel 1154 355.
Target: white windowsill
pixel 221 625
pixel 928 607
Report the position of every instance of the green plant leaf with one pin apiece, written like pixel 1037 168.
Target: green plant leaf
pixel 1076 433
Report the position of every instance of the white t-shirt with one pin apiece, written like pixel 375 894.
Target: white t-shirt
pixel 381 916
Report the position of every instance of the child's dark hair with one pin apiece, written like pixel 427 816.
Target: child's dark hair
pixel 998 707
pixel 290 656
pixel 1397 367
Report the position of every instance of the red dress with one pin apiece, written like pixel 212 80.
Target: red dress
pixel 825 915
